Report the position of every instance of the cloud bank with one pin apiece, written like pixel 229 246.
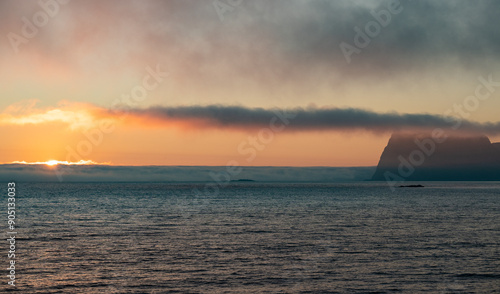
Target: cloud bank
pixel 105 173
pixel 78 116
pixel 310 119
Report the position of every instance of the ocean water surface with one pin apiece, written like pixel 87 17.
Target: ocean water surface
pixel 257 238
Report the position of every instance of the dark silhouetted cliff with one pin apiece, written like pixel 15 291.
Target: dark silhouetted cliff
pixel 423 157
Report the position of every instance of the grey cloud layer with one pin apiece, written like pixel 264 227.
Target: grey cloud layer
pixel 263 39
pixel 310 119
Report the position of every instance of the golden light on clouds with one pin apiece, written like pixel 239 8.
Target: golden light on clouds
pixel 75 115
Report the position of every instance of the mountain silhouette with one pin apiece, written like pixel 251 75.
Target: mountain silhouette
pixel 424 157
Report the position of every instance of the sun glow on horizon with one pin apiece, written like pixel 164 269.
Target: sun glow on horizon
pixel 52 162
pixel 57 162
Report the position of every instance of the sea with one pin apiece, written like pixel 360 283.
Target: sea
pixel 254 237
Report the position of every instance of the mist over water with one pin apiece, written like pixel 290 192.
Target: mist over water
pixel 258 238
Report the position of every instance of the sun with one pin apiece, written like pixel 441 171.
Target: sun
pixel 52 162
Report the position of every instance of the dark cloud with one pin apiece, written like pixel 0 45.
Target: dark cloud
pixel 266 40
pixel 309 119
pixel 425 34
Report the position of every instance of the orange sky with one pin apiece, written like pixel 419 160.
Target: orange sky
pixel 95 56
pixel 76 131
pixel 67 134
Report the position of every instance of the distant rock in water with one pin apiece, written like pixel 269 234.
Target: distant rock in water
pixel 424 157
pixel 411 186
pixel 243 180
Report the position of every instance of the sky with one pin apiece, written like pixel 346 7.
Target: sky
pixel 258 83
